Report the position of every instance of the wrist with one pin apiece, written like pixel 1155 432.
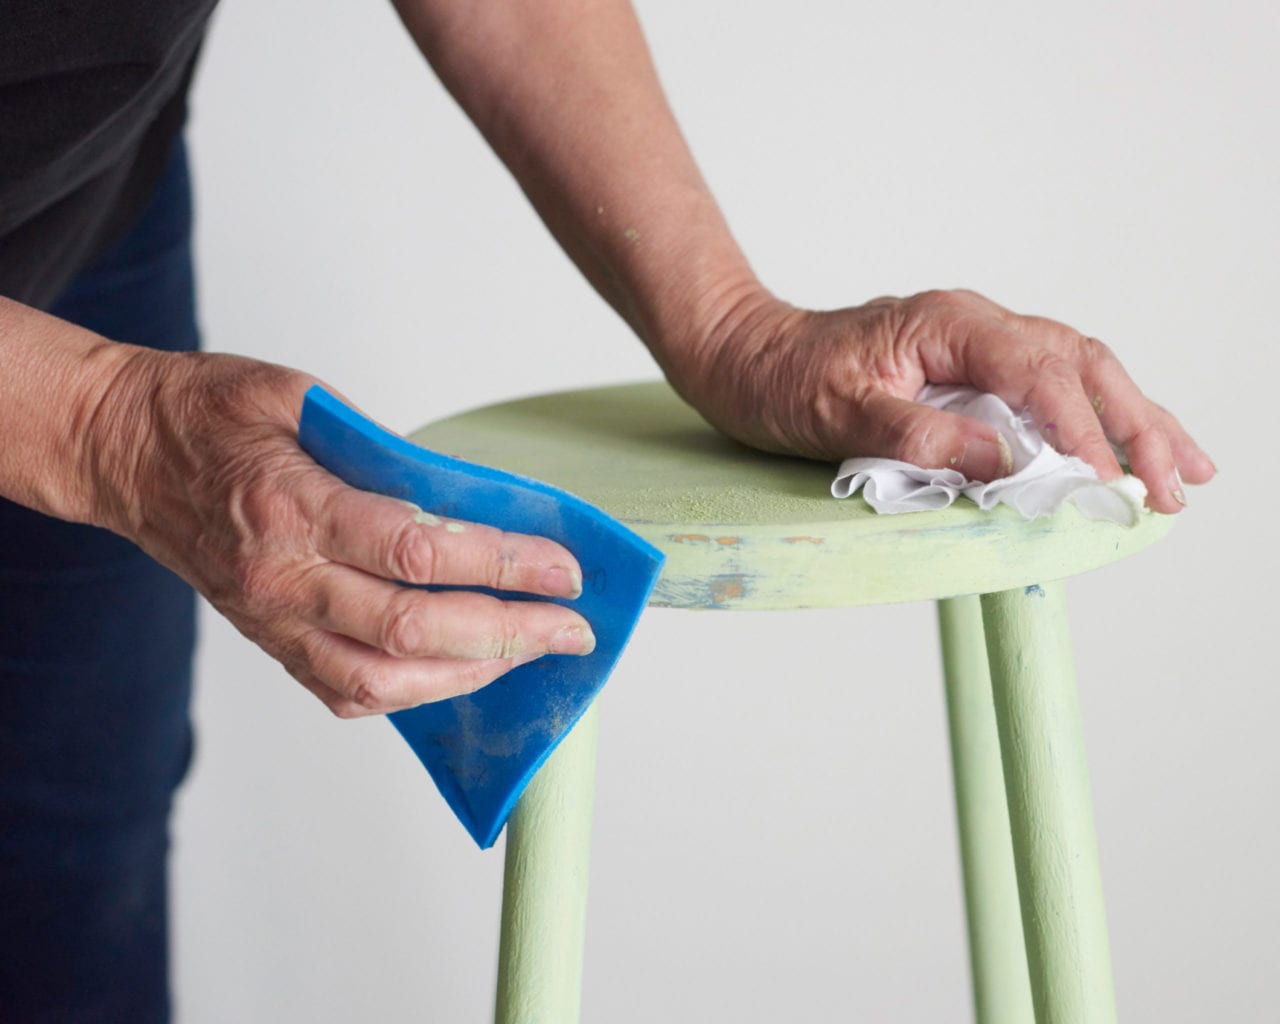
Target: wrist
pixel 117 433
pixel 57 389
pixel 729 322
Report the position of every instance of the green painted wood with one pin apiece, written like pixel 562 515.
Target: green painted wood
pixel 742 529
pixel 997 954
pixel 544 889
pixel 1050 811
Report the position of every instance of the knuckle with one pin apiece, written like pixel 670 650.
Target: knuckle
pixel 371 688
pixel 1092 351
pixel 1144 437
pixel 260 507
pixel 911 436
pixel 345 709
pixel 411 554
pixel 953 301
pixel 507 638
pixel 1049 368
pixel 935 297
pixel 401 631
pixel 504 564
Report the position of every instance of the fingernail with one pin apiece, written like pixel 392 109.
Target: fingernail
pixel 562 582
pixel 573 640
pixel 986 460
pixel 1006 455
pixel 1176 489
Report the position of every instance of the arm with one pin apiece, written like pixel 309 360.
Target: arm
pixel 566 94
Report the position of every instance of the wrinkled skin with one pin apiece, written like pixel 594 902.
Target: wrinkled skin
pixel 831 385
pixel 196 459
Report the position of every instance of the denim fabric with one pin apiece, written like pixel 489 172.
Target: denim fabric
pixel 96 642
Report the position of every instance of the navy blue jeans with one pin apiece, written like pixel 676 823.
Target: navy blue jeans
pixel 95 679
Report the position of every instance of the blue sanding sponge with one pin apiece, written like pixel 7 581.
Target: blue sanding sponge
pixel 483 748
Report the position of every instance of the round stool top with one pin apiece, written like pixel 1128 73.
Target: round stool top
pixel 743 529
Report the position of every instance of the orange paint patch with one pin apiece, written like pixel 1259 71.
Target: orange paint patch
pixel 691 538
pixel 723 590
pixel 728 541
pixel 804 540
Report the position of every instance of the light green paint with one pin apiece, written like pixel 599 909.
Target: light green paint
pixel 747 530
pixel 544 893
pixel 642 455
pixel 997 956
pixel 427 519
pixel 455 527
pixel 1055 850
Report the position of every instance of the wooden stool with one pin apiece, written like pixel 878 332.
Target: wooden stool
pixel 745 530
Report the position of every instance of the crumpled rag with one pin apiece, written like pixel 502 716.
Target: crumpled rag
pixel 1042 478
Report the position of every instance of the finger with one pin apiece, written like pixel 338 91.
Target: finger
pixel 398 540
pixel 368 681
pixel 1034 377
pixel 1193 462
pixel 886 426
pixel 1151 460
pixel 1132 421
pixel 410 623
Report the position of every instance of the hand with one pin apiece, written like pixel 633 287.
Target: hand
pixel 195 458
pixel 832 385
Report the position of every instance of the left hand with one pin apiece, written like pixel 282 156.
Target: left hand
pixel 831 385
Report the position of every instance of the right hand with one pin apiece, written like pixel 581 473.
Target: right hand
pixel 195 458
pixel 841 383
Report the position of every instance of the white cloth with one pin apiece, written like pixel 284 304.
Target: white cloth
pixel 1042 478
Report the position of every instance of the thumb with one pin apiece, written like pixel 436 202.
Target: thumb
pixel 886 426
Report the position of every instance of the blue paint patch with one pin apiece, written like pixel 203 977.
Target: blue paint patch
pixel 1035 590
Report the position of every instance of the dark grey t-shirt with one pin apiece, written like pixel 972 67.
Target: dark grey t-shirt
pixel 92 96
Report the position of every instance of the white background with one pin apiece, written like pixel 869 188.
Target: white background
pixel 774 836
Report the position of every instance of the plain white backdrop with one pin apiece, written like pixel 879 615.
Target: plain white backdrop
pixel 774 835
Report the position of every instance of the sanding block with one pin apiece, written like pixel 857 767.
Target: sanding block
pixel 482 749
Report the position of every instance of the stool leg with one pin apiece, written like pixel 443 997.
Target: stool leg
pixel 544 886
pixel 997 953
pixel 1054 847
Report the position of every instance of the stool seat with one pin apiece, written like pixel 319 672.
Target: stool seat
pixel 744 530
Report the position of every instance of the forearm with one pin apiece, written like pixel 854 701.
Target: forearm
pixel 56 383
pixel 565 92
